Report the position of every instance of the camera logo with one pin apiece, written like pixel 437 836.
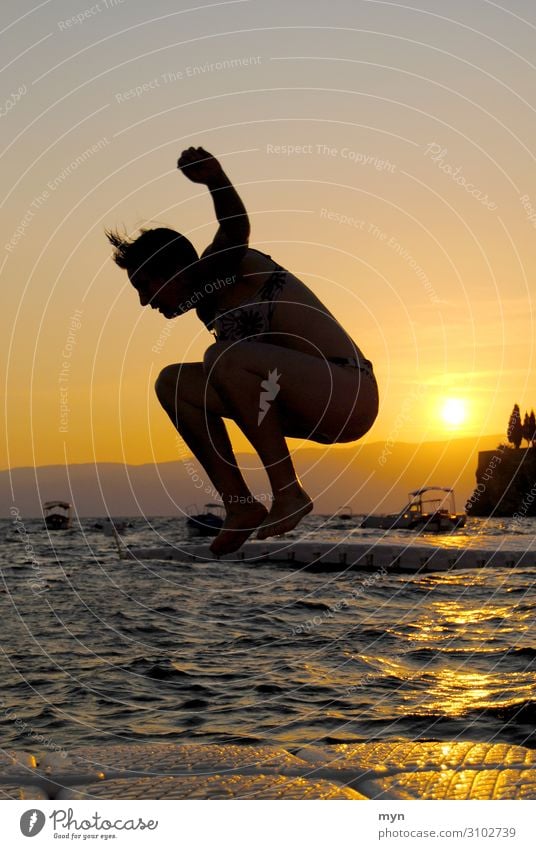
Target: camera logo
pixel 31 822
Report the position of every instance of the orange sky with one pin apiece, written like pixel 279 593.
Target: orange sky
pixel 385 155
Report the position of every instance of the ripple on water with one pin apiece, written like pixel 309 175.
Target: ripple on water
pixel 126 651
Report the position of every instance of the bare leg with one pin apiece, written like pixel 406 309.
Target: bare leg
pixel 240 388
pixel 314 400
pixel 196 411
pixel 310 398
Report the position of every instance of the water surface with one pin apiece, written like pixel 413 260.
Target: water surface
pixel 101 650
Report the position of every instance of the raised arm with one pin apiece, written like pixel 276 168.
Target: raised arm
pixel 231 240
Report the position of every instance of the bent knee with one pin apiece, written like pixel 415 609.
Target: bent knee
pixel 218 356
pixel 173 382
pixel 180 383
pixel 166 381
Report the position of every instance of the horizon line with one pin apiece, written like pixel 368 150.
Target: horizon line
pixel 312 447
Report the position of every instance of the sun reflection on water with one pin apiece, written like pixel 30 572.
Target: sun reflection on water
pixel 455 691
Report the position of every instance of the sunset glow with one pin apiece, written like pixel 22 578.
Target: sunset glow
pixel 454 412
pixel 405 205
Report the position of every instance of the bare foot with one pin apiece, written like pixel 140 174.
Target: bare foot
pixel 285 514
pixel 238 526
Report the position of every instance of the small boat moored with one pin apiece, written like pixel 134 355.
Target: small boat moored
pixel 431 508
pixel 339 520
pixel 57 515
pixel 345 512
pixel 207 524
pixel 111 527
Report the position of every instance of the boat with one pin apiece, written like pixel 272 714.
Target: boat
pixel 339 520
pixel 111 527
pixel 57 515
pixel 431 508
pixel 207 524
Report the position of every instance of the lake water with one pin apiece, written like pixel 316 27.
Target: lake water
pixel 101 650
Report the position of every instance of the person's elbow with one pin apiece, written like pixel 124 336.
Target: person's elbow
pixel 241 231
pixel 236 235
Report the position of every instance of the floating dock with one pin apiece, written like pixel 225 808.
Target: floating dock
pixel 402 770
pixel 336 556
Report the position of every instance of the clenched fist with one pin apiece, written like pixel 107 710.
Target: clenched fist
pixel 199 166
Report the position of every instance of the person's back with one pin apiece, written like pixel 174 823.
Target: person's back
pixel 297 318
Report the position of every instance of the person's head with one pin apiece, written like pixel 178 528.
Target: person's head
pixel 160 265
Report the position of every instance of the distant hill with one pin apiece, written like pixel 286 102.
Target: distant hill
pixel 367 477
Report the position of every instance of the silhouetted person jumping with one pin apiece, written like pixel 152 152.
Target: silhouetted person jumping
pixel 281 364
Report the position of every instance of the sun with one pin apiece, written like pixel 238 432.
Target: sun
pixel 454 412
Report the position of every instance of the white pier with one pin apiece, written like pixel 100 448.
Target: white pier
pixel 335 556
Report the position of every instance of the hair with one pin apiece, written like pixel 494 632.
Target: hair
pixel 161 251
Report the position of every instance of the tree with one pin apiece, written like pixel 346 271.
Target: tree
pixel 532 428
pixel 515 428
pixel 527 435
